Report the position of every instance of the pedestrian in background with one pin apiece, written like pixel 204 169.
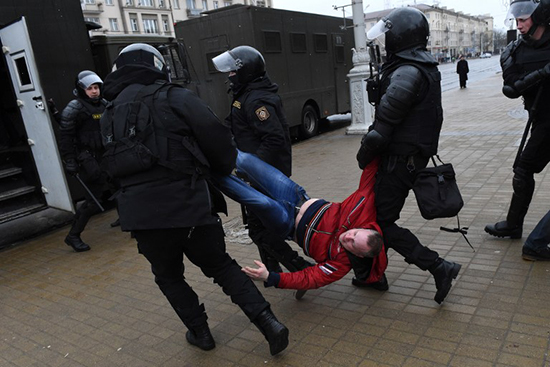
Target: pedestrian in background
pixel 462 71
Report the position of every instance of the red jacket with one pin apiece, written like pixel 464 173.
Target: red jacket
pixel 357 211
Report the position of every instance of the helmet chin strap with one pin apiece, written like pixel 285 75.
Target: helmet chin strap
pixel 527 36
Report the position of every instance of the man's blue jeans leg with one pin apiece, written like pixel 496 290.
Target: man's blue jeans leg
pixel 540 237
pixel 276 202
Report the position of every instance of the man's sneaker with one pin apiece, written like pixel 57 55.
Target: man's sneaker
pixel 381 285
pixel 542 254
pixel 502 230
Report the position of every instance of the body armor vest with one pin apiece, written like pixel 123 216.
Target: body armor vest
pixel 419 132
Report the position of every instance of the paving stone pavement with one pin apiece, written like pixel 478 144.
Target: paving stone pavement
pixel 102 307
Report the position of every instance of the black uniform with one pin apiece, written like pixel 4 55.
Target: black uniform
pixel 80 141
pixel 520 59
pixel 410 116
pixel 259 126
pixel 172 214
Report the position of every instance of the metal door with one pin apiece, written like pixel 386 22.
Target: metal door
pixel 16 47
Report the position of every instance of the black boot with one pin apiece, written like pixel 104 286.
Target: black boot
pixel 275 333
pixel 503 229
pixel 444 273
pixel 76 243
pixel 201 337
pixel 381 285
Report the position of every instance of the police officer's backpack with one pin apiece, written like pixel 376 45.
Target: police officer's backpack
pixel 135 141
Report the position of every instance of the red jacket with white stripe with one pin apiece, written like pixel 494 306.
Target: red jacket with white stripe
pixel 322 244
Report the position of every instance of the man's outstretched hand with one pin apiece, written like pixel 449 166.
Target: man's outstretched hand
pixel 259 273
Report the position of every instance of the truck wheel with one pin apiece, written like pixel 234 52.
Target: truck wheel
pixel 310 122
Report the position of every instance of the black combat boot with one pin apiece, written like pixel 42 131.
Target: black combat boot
pixel 444 272
pixel 503 229
pixel 275 333
pixel 76 243
pixel 201 337
pixel 381 285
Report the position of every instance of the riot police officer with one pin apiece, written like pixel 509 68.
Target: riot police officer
pixel 525 70
pixel 405 134
pixel 259 126
pixel 81 148
pixel 169 206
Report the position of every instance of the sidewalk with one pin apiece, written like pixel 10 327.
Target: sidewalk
pixel 102 307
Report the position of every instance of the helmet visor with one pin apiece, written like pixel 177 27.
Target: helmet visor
pixel 226 62
pixel 379 29
pixel 519 10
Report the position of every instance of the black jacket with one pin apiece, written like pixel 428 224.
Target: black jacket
pixel 259 124
pixel 409 114
pixel 523 57
pixel 173 201
pixel 79 128
pixel 462 68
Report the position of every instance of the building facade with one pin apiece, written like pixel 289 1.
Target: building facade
pixel 153 17
pixel 451 33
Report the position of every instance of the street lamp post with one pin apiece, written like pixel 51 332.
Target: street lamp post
pixel 362 113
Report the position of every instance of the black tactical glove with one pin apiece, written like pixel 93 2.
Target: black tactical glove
pixel 365 155
pixel 71 166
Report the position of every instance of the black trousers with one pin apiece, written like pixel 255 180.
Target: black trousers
pixel 393 183
pixel 205 247
pixel 88 208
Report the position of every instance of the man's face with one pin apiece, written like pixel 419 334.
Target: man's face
pixel 524 24
pixel 356 241
pixel 93 91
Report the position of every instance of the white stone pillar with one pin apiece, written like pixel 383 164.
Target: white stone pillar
pixel 362 113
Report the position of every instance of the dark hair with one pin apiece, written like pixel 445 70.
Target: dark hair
pixel 375 242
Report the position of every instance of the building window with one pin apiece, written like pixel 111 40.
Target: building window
pixel 191 4
pixel 129 2
pixel 204 4
pixel 176 4
pixel 260 3
pixel 161 4
pixel 216 6
pixel 134 24
pixel 95 20
pixel 109 2
pixel 113 23
pixel 227 3
pixel 150 26
pixel 89 1
pixel 165 24
pixel 146 2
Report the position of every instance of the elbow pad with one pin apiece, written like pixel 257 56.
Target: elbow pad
pixel 403 90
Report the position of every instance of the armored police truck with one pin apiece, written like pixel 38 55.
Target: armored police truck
pixel 307 55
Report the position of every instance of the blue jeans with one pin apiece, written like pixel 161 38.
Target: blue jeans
pixel 540 237
pixel 276 200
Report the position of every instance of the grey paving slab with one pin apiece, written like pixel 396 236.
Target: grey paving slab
pixel 102 307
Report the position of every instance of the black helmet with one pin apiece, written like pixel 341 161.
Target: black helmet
pixel 85 79
pixel 141 54
pixel 246 61
pixel 404 28
pixel 538 10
